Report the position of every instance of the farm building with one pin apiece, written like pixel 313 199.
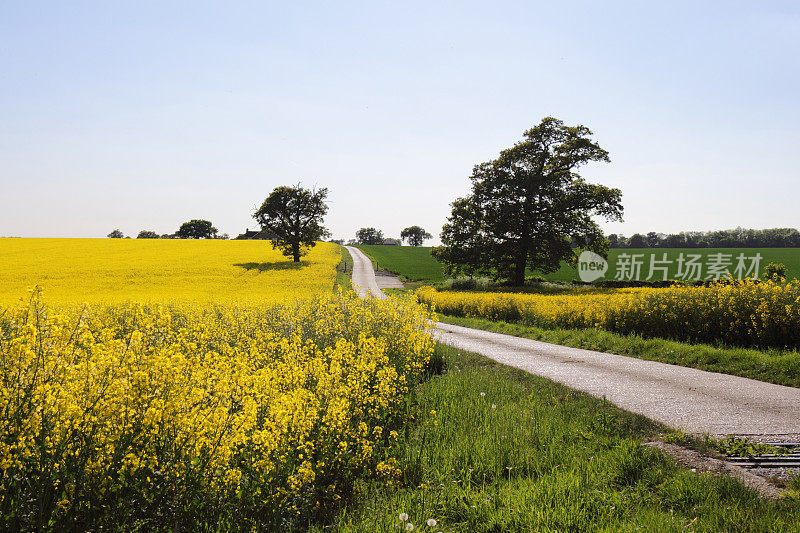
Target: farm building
pixel 262 235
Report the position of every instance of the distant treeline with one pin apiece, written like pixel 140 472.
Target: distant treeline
pixel 730 238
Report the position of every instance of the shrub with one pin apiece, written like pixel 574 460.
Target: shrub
pixel 467 283
pixel 775 271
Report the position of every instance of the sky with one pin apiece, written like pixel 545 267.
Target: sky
pixel 143 115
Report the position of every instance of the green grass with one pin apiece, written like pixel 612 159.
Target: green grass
pixel 413 263
pixel 773 366
pixel 491 448
pixel 344 270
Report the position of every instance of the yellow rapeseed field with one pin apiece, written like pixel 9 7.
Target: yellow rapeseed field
pixel 210 384
pixel 223 415
pixel 574 309
pixel 74 271
pixel 747 313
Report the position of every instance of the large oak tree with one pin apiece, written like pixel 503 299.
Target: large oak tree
pixel 529 208
pixel 294 216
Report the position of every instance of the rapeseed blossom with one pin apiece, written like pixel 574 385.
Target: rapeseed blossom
pixel 206 414
pixel 744 313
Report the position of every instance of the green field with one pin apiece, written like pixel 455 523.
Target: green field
pixel 788 256
pixel 416 263
pixel 413 263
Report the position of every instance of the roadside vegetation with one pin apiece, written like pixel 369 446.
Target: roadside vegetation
pixel 491 448
pixel 344 271
pixel 747 313
pixel 781 367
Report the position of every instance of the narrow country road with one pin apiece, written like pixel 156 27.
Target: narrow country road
pixel 364 281
pixel 683 398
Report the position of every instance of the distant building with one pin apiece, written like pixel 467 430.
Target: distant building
pixel 391 242
pixel 260 235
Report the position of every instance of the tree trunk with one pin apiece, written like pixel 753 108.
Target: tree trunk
pixel 296 251
pixel 519 268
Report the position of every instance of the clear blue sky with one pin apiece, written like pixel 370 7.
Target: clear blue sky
pixel 141 115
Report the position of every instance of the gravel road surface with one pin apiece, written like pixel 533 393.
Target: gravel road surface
pixel 683 398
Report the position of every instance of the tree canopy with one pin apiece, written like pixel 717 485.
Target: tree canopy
pixel 146 234
pixel 415 235
pixel 116 234
pixel 294 216
pixel 196 229
pixel 529 208
pixel 369 236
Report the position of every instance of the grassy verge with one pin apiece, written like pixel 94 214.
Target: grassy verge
pixel 773 366
pixel 491 448
pixel 411 263
pixel 344 270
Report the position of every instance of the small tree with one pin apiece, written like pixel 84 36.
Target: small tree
pixel 294 216
pixel 145 234
pixel 369 236
pixel 116 234
pixel 196 229
pixel 415 235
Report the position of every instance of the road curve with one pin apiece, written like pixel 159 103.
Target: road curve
pixel 692 400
